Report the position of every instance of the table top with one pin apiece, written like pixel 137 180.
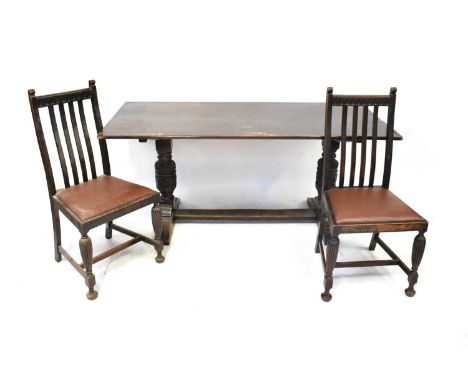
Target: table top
pixel 227 120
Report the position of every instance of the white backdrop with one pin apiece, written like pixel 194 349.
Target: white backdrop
pixel 235 301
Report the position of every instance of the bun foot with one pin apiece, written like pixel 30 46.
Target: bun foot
pixel 160 259
pixel 410 292
pixel 92 295
pixel 326 297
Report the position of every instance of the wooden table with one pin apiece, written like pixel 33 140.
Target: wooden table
pixel 165 121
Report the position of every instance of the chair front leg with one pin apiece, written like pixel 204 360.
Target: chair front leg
pixel 419 245
pixel 330 261
pixel 86 251
pixel 156 217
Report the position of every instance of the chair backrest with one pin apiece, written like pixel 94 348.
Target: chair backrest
pixel 66 102
pixel 357 102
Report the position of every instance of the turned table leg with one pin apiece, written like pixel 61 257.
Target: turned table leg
pixel 330 177
pixel 166 181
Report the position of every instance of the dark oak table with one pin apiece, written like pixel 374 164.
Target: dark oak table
pixel 165 121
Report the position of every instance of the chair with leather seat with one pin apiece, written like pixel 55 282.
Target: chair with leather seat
pixel 361 207
pixel 91 200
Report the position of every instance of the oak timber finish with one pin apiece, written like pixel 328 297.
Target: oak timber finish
pixel 361 203
pixel 300 214
pixel 225 120
pixel 165 121
pixel 98 205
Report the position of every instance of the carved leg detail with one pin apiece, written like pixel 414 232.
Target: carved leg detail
pixel 373 241
pixel 108 230
pixel 156 217
pixel 57 233
pixel 86 251
pixel 330 261
pixel 419 245
pixel 330 178
pixel 166 181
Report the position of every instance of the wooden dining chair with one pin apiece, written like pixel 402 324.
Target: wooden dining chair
pixel 357 207
pixel 88 200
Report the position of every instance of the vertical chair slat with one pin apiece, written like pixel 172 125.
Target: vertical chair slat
pixel 375 119
pixel 98 122
pixel 327 155
pixel 79 147
pixel 42 143
pixel 344 117
pixel 353 146
pixel 58 144
pixel 66 133
pixel 89 147
pixel 389 139
pixel 363 145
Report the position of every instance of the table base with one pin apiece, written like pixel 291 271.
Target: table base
pixel 166 181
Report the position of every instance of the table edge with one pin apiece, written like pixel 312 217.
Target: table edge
pixel 396 137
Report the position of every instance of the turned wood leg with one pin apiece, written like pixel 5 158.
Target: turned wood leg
pixel 330 261
pixel 156 217
pixel 109 230
pixel 166 181
pixel 373 241
pixel 57 232
pixel 419 245
pixel 330 178
pixel 86 251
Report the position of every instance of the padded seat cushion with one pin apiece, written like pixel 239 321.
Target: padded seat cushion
pixel 367 205
pixel 102 195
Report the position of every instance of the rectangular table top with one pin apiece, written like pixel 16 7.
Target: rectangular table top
pixel 227 120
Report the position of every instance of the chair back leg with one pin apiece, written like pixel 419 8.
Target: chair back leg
pixel 373 241
pixel 109 230
pixel 57 232
pixel 321 224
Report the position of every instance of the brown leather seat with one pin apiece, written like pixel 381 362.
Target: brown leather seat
pixel 367 205
pixel 100 196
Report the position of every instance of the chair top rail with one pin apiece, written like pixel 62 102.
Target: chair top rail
pixel 363 100
pixel 58 98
